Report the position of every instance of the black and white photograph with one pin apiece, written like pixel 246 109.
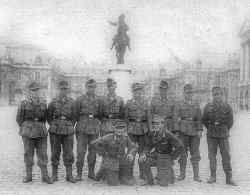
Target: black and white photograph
pixel 117 97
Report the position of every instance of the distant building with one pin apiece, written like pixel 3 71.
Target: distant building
pixel 244 84
pixel 16 72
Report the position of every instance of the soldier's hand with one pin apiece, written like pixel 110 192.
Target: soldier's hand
pixel 130 157
pixel 142 158
pixel 199 134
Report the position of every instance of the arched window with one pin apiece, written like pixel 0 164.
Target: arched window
pixel 241 100
pixel 246 100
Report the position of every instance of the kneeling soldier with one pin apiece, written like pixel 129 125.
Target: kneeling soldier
pixel 31 118
pixel 115 159
pixel 161 149
pixel 61 120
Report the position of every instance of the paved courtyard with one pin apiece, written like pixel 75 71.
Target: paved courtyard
pixel 12 168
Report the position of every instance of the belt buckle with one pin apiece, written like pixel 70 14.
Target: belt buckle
pixel 35 119
pixel 138 120
pixel 91 116
pixel 63 117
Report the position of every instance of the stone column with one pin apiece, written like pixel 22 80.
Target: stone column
pixel 242 62
pixel 246 63
pixel 121 73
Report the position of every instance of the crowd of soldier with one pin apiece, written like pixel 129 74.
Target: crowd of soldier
pixel 160 133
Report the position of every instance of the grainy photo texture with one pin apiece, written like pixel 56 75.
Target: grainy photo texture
pixel 124 97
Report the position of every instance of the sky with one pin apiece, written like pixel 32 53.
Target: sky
pixel 73 28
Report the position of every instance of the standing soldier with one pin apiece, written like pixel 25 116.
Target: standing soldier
pixel 87 112
pixel 164 106
pixel 112 108
pixel 218 119
pixel 190 126
pixel 31 118
pixel 137 114
pixel 61 121
pixel 116 150
pixel 161 150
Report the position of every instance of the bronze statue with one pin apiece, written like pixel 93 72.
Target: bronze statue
pixel 121 40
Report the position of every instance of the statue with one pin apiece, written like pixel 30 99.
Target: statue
pixel 121 40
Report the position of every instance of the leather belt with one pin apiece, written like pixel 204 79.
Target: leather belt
pixel 187 118
pixel 137 120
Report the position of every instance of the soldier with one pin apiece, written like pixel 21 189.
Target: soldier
pixel 117 150
pixel 218 119
pixel 87 112
pixel 161 149
pixel 138 117
pixel 190 126
pixel 61 121
pixel 112 108
pixel 164 106
pixel 31 118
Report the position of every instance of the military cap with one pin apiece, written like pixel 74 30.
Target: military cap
pixel 137 86
pixel 34 86
pixel 163 84
pixel 63 85
pixel 110 82
pixel 91 83
pixel 216 89
pixel 119 126
pixel 188 88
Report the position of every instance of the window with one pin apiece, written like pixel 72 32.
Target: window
pixel 37 76
pixel 19 76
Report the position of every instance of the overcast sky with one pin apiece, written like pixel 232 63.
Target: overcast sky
pixel 71 28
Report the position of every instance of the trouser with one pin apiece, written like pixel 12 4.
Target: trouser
pixel 83 141
pixel 191 144
pixel 66 142
pixel 165 171
pixel 222 143
pixel 115 171
pixel 141 141
pixel 38 144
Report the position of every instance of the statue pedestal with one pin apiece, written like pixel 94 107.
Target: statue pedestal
pixel 122 74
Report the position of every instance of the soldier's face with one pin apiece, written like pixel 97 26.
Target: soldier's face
pixel 91 89
pixel 217 96
pixel 111 89
pixel 188 95
pixel 163 91
pixel 64 92
pixel 34 93
pixel 137 94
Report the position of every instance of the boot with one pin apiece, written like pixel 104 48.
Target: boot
pixel 212 178
pixel 79 173
pixel 54 173
pixel 45 176
pixel 28 177
pixel 182 172
pixel 100 175
pixel 196 173
pixel 91 173
pixel 69 176
pixel 229 180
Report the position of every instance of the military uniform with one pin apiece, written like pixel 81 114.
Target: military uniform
pixel 164 107
pixel 87 110
pixel 31 118
pixel 112 109
pixel 161 150
pixel 137 114
pixel 218 119
pixel 189 115
pixel 61 121
pixel 114 149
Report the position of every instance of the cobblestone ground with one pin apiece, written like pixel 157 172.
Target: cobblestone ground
pixel 12 168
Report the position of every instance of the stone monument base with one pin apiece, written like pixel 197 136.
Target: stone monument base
pixel 122 74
